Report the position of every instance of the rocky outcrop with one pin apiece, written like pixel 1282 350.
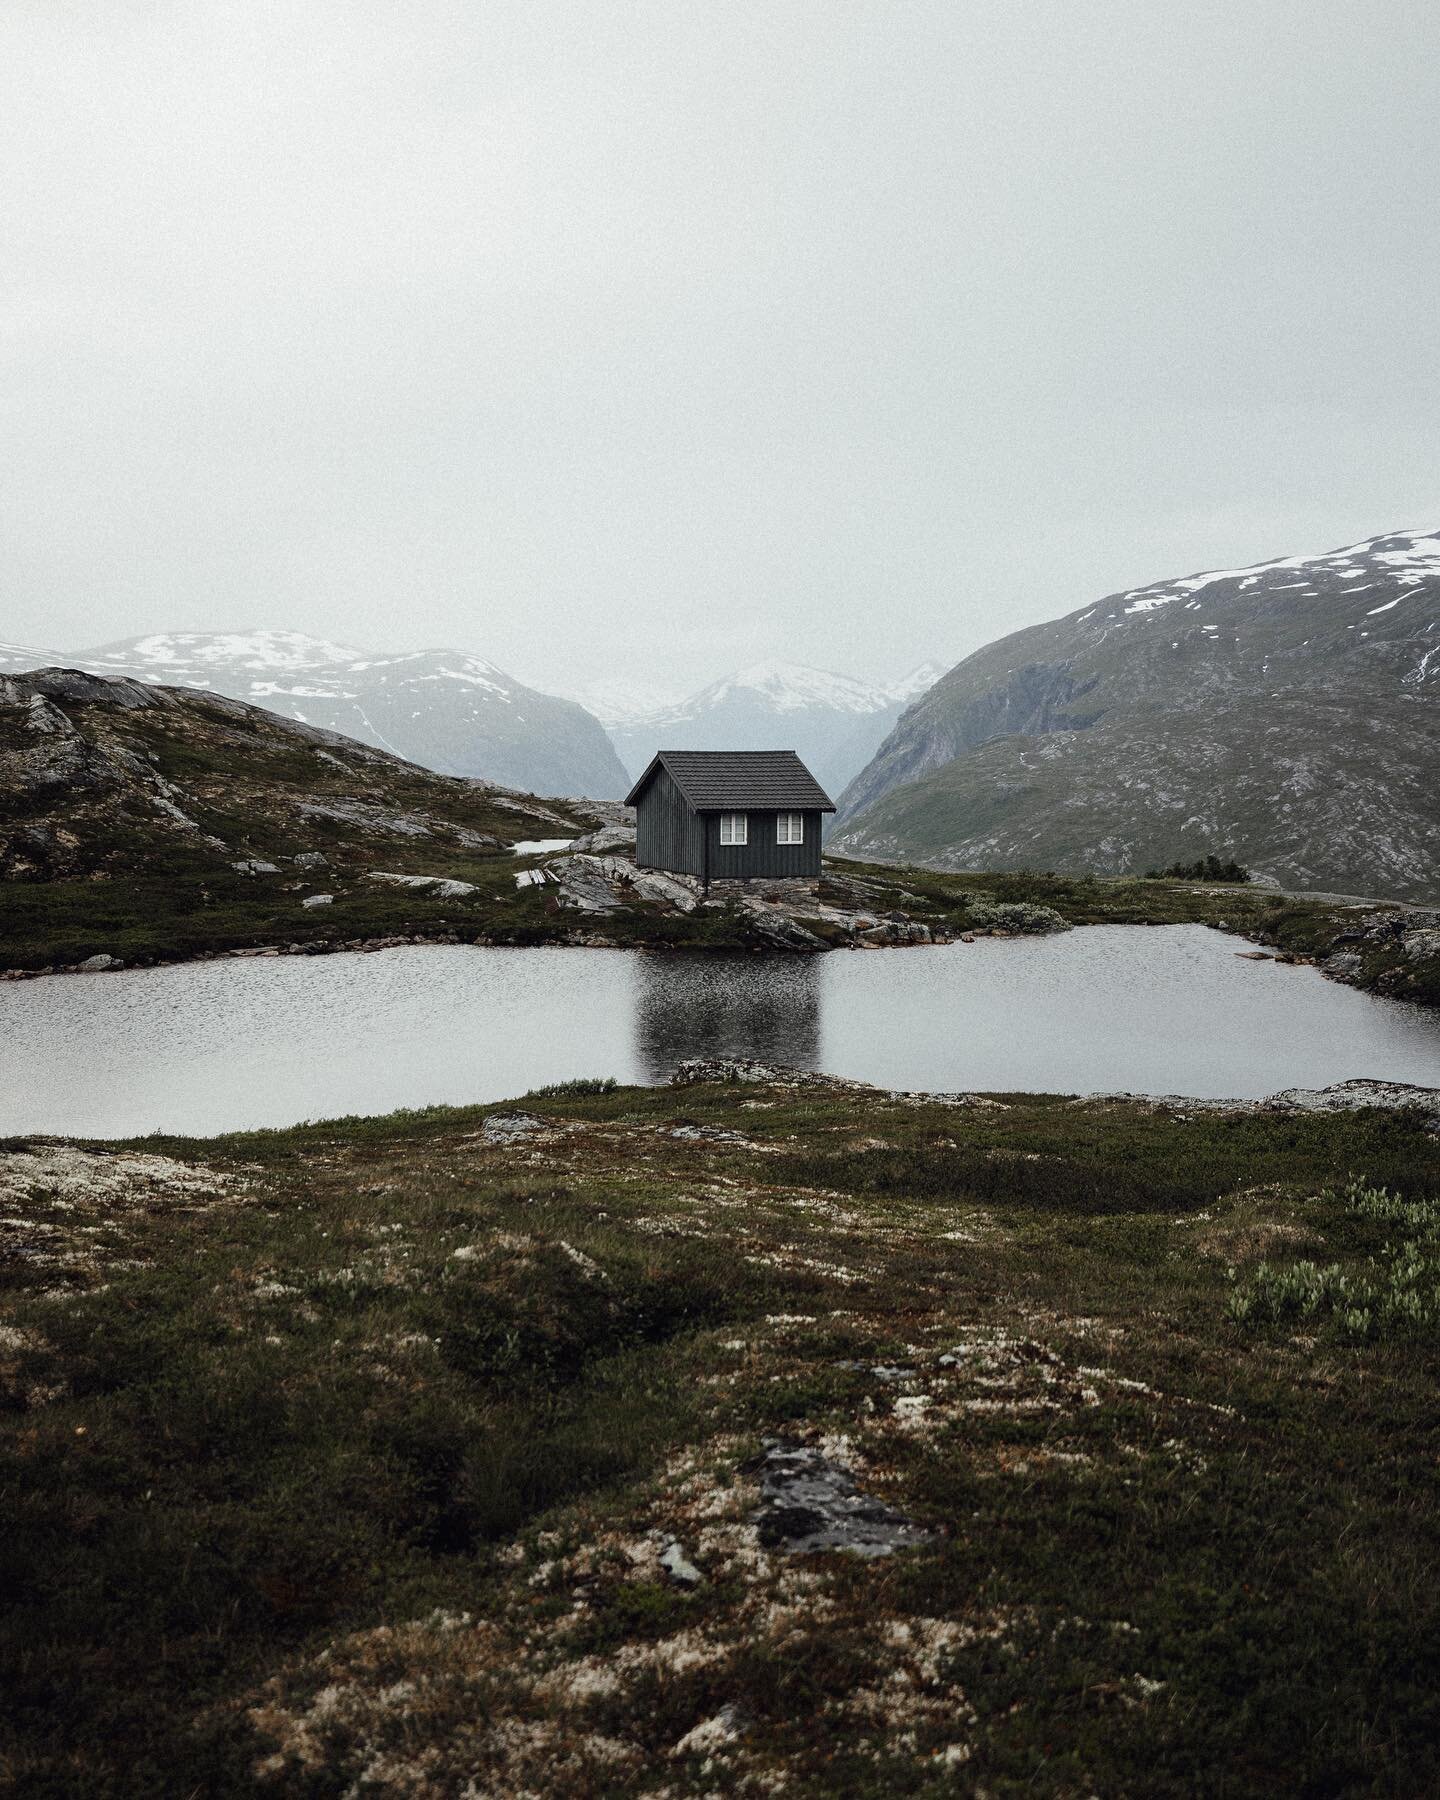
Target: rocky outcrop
pixel 100 777
pixel 443 887
pixel 839 912
pixel 607 841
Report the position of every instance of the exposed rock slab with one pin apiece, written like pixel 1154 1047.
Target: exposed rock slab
pixel 810 1503
pixel 442 886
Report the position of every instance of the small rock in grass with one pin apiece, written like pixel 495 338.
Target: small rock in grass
pixel 678 1566
pixel 711 1734
pixel 810 1503
pixel 506 1128
pixel 312 900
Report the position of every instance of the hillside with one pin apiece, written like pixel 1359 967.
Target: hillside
pixel 750 1436
pixel 1287 714
pixel 834 721
pixel 142 823
pixel 449 711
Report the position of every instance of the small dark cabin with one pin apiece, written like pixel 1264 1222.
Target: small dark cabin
pixel 729 815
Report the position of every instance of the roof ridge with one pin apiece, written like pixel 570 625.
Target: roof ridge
pixel 719 780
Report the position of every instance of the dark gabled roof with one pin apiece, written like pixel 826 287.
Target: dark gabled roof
pixel 739 780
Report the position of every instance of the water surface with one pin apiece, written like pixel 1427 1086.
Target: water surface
pixel 228 1045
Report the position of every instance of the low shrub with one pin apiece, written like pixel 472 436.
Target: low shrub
pixel 1396 1293
pixel 1204 868
pixel 565 1090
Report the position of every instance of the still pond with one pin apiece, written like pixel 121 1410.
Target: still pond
pixel 221 1046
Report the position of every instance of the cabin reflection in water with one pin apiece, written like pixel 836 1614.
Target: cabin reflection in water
pixel 688 1006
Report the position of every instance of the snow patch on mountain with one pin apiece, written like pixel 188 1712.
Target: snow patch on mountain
pixel 17 659
pixel 445 708
pixel 190 651
pixel 835 722
pixel 1404 559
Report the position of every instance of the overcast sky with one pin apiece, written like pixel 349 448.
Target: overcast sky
pixel 623 339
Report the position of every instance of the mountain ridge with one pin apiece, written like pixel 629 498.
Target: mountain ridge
pixel 1283 713
pixel 448 710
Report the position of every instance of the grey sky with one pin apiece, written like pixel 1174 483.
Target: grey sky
pixel 655 338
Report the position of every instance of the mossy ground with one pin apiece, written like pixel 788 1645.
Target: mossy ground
pixel 343 1464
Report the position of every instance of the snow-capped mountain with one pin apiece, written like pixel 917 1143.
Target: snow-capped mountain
pixel 617 702
pixel 15 659
pixel 836 722
pixel 445 709
pixel 1287 714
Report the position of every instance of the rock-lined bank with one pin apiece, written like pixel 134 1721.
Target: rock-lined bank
pixel 839 911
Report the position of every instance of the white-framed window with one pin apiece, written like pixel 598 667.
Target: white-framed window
pixel 732 828
pixel 789 828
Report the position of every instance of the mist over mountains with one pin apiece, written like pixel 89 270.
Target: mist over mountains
pixel 461 715
pixel 445 709
pixel 835 722
pixel 1287 714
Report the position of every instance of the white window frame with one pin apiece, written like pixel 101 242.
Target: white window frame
pixel 790 828
pixel 734 828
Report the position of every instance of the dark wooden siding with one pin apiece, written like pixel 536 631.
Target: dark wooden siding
pixel 668 835
pixel 761 858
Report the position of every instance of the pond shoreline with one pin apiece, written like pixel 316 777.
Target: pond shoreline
pixel 598 902
pixel 597 941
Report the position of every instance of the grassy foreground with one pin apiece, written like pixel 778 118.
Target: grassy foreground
pixel 343 1460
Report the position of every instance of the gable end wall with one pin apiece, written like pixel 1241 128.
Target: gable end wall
pixel 667 834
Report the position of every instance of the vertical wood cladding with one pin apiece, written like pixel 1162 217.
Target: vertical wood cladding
pixel 761 858
pixel 668 835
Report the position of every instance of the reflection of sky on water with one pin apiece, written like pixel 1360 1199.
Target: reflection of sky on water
pixel 229 1045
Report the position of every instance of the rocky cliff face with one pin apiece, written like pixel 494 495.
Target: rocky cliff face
pixel 1285 713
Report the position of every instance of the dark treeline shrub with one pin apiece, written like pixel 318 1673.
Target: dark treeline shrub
pixel 1204 868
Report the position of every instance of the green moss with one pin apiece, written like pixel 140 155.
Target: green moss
pixel 400 1369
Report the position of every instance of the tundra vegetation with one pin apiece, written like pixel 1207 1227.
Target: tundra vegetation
pixel 438 1454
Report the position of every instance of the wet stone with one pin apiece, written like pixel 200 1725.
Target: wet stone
pixel 809 1503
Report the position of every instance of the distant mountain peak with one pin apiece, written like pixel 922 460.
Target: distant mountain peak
pixel 251 649
pixel 834 721
pixel 790 686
